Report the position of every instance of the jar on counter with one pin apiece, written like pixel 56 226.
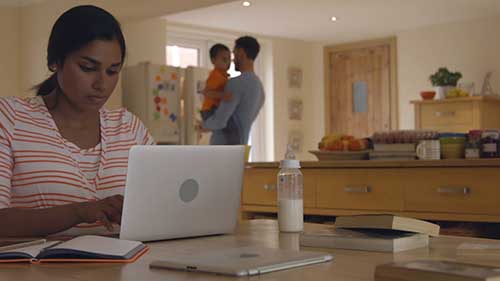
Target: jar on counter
pixel 473 145
pixel 452 145
pixel 489 144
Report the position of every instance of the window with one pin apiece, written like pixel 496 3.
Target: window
pixel 232 68
pixel 182 56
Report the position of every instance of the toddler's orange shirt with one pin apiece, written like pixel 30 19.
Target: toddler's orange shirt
pixel 216 81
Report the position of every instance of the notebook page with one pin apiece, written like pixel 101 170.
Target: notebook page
pixel 99 245
pixel 31 250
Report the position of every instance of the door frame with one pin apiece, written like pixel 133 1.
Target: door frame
pixel 393 82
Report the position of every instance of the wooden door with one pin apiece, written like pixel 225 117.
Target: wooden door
pixel 359 90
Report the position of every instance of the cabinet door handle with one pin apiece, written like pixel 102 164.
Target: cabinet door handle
pixel 358 189
pixel 453 190
pixel 269 186
pixel 445 113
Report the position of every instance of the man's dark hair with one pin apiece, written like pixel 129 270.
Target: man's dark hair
pixel 216 49
pixel 250 45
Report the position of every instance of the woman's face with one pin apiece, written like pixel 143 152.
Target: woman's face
pixel 89 75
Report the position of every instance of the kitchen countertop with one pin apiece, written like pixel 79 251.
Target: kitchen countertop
pixel 452 100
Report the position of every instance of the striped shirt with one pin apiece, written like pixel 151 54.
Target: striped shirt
pixel 39 168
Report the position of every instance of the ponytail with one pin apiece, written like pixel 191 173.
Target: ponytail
pixel 47 86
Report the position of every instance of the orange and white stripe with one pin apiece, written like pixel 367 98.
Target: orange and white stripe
pixel 41 169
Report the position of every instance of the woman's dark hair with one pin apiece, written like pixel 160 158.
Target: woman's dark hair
pixel 249 45
pixel 214 51
pixel 73 30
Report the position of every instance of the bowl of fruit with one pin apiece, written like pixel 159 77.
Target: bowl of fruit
pixel 341 147
pixel 456 93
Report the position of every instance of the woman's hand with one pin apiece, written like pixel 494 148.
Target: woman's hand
pixel 107 211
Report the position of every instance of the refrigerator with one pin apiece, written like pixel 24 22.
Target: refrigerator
pixel 167 100
pixel 194 82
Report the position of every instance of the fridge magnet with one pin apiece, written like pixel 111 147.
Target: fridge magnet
pixel 173 117
pixel 164 97
pixel 157 100
pixel 295 77
pixel 156 115
pixel 295 108
pixel 295 140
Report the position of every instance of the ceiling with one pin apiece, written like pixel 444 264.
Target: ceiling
pixel 124 10
pixel 309 20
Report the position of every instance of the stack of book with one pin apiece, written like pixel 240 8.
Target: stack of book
pixel 382 233
pixel 393 151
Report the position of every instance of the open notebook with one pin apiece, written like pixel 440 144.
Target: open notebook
pixel 87 248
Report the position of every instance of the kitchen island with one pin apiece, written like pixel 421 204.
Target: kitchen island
pixel 445 190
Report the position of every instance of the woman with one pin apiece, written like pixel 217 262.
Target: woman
pixel 63 157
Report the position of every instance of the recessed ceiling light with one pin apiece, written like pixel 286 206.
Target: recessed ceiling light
pixel 334 19
pixel 246 4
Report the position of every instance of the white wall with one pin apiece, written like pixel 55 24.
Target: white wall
pixel 146 41
pixel 469 47
pixel 36 23
pixel 9 51
pixel 306 56
pixel 318 96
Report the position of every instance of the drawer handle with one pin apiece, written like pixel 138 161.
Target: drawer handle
pixel 454 190
pixel 358 189
pixel 445 113
pixel 269 187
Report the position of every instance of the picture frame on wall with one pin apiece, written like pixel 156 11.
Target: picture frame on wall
pixel 295 77
pixel 295 109
pixel 296 140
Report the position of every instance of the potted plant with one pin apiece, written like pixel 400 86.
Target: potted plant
pixel 444 80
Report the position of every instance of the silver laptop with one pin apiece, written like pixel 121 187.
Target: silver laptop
pixel 243 261
pixel 181 191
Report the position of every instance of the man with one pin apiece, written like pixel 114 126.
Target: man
pixel 232 121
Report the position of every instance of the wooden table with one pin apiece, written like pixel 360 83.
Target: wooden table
pixel 346 266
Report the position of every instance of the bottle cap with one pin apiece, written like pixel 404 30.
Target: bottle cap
pixel 290 162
